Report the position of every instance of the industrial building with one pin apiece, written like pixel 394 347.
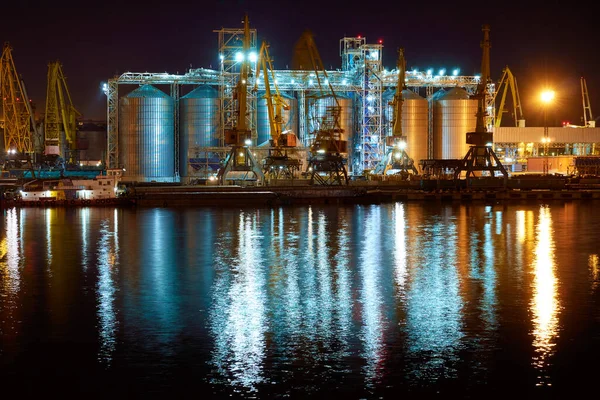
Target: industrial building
pixel 177 134
pixel 171 128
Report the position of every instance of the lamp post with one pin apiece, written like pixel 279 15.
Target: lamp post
pixel 547 96
pixel 546 144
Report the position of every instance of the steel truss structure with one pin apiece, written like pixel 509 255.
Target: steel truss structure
pixel 19 121
pixel 361 77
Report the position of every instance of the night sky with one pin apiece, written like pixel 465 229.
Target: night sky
pixel 550 43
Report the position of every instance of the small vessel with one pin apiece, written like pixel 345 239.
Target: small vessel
pixel 99 191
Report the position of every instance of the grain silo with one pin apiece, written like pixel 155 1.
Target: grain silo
pixel 454 114
pixel 415 123
pixel 146 135
pixel 199 124
pixel 290 117
pixel 415 117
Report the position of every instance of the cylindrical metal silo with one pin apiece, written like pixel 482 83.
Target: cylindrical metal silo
pixel 415 117
pixel 415 123
pixel 146 135
pixel 199 124
pixel 290 117
pixel 454 114
pixel 319 109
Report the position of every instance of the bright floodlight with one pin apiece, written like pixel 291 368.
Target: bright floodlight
pixel 442 72
pixel 248 142
pixel 402 145
pixel 547 96
pixel 429 71
pixel 455 72
pixel 239 56
pixel 252 56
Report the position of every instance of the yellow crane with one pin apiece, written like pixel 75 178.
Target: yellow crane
pixel 240 159
pixel 325 158
pixel 19 120
pixel 60 115
pixel 396 161
pixel 508 81
pixel 277 164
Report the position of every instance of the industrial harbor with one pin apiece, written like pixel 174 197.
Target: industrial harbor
pixel 246 133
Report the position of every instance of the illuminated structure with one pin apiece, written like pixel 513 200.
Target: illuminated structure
pixel 19 122
pixel 396 159
pixel 361 78
pixel 481 156
pixel 60 115
pixel 277 164
pixel 508 81
pixel 239 137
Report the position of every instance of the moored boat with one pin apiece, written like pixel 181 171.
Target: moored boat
pixel 103 190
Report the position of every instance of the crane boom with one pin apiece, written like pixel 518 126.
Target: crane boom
pixel 60 114
pixel 310 48
pixel 588 118
pixel 275 102
pixel 396 161
pixel 398 100
pixel 19 121
pixel 329 148
pixel 508 81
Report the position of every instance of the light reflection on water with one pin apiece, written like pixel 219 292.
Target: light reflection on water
pixel 10 274
pixel 434 304
pixel 370 271
pixel 370 299
pixel 238 320
pixel 544 304
pixel 108 268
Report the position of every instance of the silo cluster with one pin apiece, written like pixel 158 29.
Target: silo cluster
pixel 146 140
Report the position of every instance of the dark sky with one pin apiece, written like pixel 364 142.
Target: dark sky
pixel 551 42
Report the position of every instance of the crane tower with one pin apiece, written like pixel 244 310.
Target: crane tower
pixel 480 156
pixel 19 121
pixel 239 138
pixel 396 160
pixel 60 115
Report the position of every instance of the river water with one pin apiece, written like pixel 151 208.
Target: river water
pixel 360 301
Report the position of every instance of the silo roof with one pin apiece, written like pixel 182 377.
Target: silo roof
pixel 456 93
pixel 410 95
pixel 202 92
pixel 148 91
